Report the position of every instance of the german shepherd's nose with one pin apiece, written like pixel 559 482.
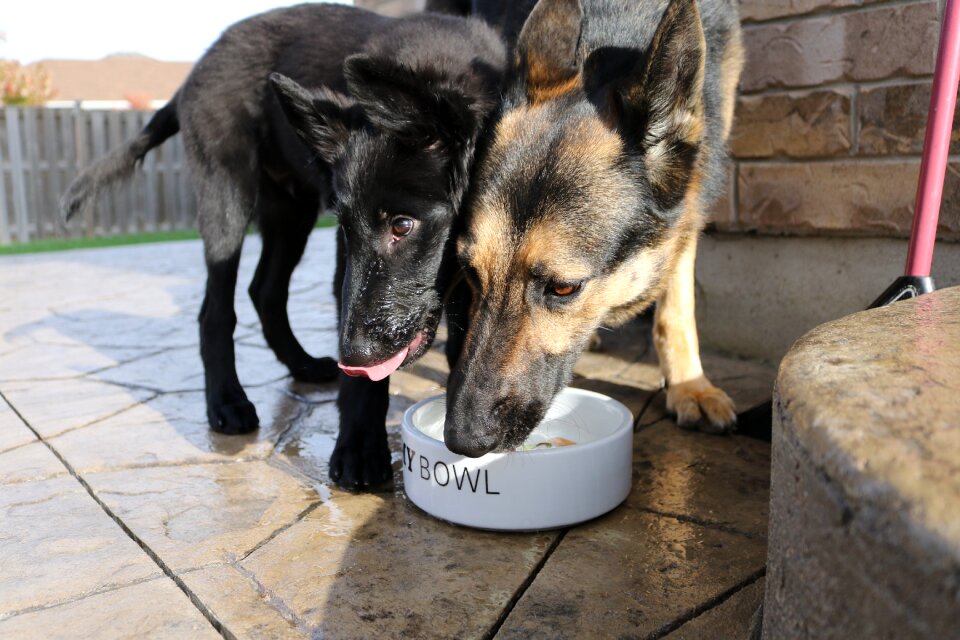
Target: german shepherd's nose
pixel 470 428
pixel 469 444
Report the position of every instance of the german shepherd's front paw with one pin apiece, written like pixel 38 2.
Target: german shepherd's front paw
pixel 315 370
pixel 700 405
pixel 361 461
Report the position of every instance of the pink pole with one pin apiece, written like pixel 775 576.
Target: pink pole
pixel 936 146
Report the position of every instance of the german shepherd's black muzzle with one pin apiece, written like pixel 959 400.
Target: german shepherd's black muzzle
pixel 489 409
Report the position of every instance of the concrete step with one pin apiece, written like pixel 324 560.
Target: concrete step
pixel 864 537
pixel 757 294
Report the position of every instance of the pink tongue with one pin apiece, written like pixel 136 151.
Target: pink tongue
pixel 378 371
pixel 383 369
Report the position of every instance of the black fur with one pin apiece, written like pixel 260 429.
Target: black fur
pixel 387 127
pixel 506 16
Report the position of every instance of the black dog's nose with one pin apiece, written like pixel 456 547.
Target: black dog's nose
pixel 359 355
pixel 469 444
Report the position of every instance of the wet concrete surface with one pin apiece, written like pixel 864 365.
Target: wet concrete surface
pixel 120 512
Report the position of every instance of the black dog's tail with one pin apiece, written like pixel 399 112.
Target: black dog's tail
pixel 119 163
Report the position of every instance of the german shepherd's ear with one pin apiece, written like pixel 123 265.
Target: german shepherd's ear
pixel 420 109
pixel 655 100
pixel 547 48
pixel 322 118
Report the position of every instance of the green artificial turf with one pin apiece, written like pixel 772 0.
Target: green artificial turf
pixel 66 244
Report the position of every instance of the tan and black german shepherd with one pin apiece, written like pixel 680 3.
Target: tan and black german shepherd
pixel 586 206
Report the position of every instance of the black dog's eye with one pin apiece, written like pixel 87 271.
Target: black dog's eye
pixel 563 289
pixel 401 226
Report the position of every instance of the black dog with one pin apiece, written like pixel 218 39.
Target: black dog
pixel 386 140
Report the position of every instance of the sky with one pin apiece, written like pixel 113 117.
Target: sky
pixel 175 30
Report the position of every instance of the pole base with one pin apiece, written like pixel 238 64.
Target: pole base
pixel 757 421
pixel 904 288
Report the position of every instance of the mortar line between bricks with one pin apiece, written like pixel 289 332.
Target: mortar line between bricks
pixel 16 447
pixel 118 363
pixel 274 601
pixel 40 478
pixel 712 603
pixel 297 520
pixel 97 421
pixel 786 161
pixel 855 123
pixel 835 85
pixel 304 408
pixel 830 12
pixel 83 596
pixel 735 193
pixel 637 424
pixel 190 462
pixel 204 611
pixel 700 522
pixel 522 589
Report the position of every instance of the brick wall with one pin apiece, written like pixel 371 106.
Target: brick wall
pixel 391 7
pixel 831 118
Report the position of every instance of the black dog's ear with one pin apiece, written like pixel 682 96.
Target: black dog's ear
pixel 322 118
pixel 418 107
pixel 655 100
pixel 547 48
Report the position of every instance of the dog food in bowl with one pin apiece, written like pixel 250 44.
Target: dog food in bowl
pixel 546 436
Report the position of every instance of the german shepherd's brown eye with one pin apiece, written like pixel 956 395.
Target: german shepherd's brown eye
pixel 401 226
pixel 563 289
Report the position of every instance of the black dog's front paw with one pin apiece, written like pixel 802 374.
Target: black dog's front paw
pixel 316 371
pixel 232 417
pixel 361 461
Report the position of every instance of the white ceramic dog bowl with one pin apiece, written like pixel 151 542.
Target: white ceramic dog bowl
pixel 523 490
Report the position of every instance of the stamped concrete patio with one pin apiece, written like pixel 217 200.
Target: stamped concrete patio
pixel 122 515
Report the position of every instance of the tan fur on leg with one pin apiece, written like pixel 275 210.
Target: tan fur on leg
pixel 690 394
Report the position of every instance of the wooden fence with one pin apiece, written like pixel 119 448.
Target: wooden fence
pixel 42 150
